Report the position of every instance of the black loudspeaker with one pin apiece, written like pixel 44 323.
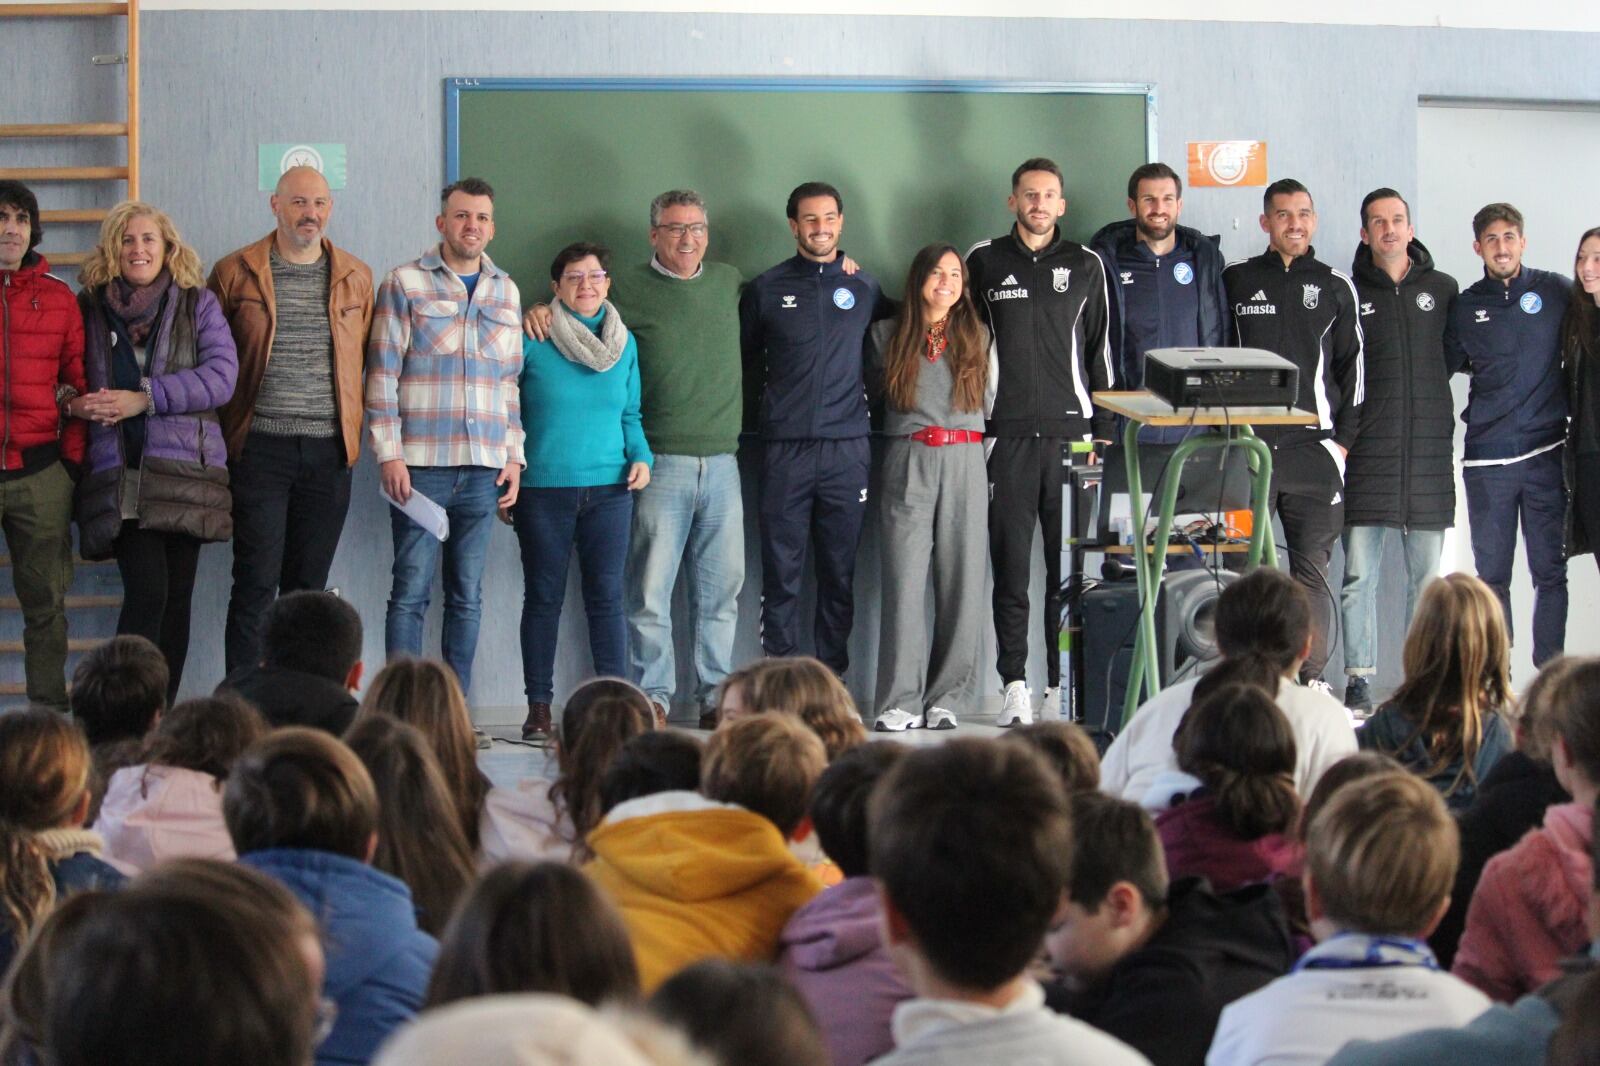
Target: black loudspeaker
pixel 1186 622
pixel 1186 643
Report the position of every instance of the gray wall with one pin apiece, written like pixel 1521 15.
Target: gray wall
pixel 1336 104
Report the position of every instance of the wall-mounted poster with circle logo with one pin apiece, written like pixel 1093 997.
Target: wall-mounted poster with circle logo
pixel 1227 163
pixel 273 159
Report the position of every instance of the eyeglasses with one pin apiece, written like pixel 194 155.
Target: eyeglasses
pixel 677 229
pixel 576 277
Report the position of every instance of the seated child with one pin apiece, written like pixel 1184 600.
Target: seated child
pixel 419 839
pixel 45 853
pixel 1237 828
pixel 1543 1028
pixel 208 966
pixel 1067 747
pixel 1511 800
pixel 301 808
pixel 971 843
pixel 741 1012
pixel 1149 962
pixel 1263 626
pixel 515 932
pixel 169 804
pixel 425 693
pixel 310 663
pixel 541 819
pixel 801 686
pixel 832 949
pixel 1380 859
pixel 1444 721
pixel 1528 911
pixel 119 690
pixel 710 875
pixel 666 760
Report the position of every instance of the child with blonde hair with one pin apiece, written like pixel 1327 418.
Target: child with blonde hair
pixel 1380 860
pixel 1444 721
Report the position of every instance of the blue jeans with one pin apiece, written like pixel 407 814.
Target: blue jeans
pixel 690 513
pixel 469 496
pixel 1533 491
pixel 1363 566
pixel 550 523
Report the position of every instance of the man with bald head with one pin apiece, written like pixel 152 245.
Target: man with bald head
pixel 300 310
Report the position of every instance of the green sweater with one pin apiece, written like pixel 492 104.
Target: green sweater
pixel 690 375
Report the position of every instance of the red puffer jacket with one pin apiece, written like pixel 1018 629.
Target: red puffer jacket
pixel 41 346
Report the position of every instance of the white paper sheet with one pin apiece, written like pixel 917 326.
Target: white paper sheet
pixel 423 511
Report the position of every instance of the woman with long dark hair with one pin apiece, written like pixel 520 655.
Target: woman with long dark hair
pixel 1580 351
pixel 934 360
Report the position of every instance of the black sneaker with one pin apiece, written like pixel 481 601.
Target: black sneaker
pixel 1358 695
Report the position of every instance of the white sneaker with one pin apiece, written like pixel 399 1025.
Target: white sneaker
pixel 1018 708
pixel 939 718
pixel 1050 710
pixel 1316 684
pixel 894 720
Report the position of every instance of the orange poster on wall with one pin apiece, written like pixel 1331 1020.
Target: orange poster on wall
pixel 1224 163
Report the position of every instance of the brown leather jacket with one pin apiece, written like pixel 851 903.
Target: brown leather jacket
pixel 243 283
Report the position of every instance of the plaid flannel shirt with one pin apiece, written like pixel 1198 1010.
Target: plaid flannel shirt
pixel 442 371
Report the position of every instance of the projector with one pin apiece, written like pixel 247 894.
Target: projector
pixel 1221 377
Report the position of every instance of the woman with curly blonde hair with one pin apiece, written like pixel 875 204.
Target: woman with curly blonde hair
pixel 1444 723
pixel 159 360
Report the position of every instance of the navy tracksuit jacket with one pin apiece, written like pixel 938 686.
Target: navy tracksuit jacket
pixel 1175 300
pixel 803 325
pixel 1508 337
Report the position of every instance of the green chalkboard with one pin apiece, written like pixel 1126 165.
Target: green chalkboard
pixel 914 165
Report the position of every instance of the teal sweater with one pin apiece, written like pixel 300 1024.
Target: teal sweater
pixel 692 385
pixel 583 426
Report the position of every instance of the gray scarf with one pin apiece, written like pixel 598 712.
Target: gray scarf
pixel 581 345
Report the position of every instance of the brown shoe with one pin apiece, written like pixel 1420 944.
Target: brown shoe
pixel 708 719
pixel 660 710
pixel 538 723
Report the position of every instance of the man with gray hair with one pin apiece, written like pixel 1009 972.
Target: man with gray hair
pixel 684 314
pixel 300 310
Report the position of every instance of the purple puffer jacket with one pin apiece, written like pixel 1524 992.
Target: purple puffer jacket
pixel 832 951
pixel 183 485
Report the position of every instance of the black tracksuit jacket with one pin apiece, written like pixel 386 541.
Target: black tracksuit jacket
pixel 1047 314
pixel 1305 312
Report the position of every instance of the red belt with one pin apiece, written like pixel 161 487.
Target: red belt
pixel 938 436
